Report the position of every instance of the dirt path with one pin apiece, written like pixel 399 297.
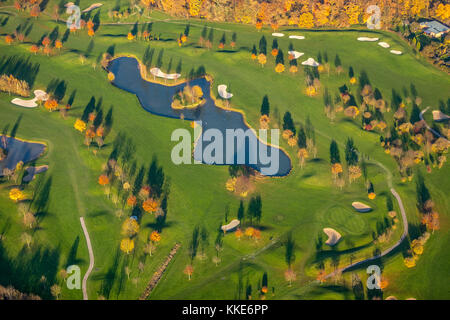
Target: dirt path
pixel 428 127
pixel 158 274
pixel 91 259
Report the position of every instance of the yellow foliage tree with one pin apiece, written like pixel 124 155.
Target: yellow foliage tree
pixel 127 245
pixel 306 20
pixel 194 7
pixel 16 194
pixel 130 227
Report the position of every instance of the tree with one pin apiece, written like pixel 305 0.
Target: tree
pixel 306 20
pixel 334 153
pixel 130 227
pixel 263 46
pixel 127 245
pixel 16 194
pixel 26 239
pixel 150 205
pixel 351 153
pixel 90 107
pixel 188 270
pixel 289 252
pixel 301 138
pixel 56 291
pixel 233 40
pixel 265 106
pixel 223 41
pixel 193 246
pixel 210 38
pixel 159 61
pixel 194 7
pixel 155 236
pixel 240 213
pixel 288 123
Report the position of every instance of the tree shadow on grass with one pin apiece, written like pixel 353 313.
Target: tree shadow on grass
pixel 72 256
pixel 159 226
pixel 33 270
pixel 98 213
pixel 325 254
pixel 108 279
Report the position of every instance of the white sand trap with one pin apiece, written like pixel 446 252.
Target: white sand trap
pixel 296 54
pixel 391 298
pixel 38 95
pixel 222 89
pixel 297 37
pixel 396 52
pixel 277 34
pixel 368 39
pixel 333 236
pixel 361 207
pixel 32 171
pixel 231 226
pixel 158 73
pixel 310 62
pixel 92 7
pixel 440 116
pixel 384 44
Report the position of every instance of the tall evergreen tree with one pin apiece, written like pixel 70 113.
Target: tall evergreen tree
pixel 351 153
pixel 265 106
pixel 241 211
pixel 263 45
pixel 288 123
pixel 334 153
pixel 301 138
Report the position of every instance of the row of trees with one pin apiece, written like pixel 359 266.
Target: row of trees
pixel 93 122
pixel 306 14
pixel 253 212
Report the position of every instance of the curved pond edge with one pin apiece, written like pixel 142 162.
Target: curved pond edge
pixel 44 150
pixel 210 79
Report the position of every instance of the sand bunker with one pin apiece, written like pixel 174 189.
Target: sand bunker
pixel 310 62
pixel 361 207
pixel 396 52
pixel 92 7
pixel 231 226
pixel 440 116
pixel 297 37
pixel 368 39
pixel 333 236
pixel 222 89
pixel 276 34
pixel 391 298
pixel 38 95
pixel 296 54
pixel 158 73
pixel 384 44
pixel 32 171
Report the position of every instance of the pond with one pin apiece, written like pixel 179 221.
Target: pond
pixel 19 150
pixel 157 98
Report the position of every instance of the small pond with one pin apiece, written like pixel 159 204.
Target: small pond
pixel 157 98
pixel 19 150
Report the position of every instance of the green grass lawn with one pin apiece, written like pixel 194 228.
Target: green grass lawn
pixel 303 203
